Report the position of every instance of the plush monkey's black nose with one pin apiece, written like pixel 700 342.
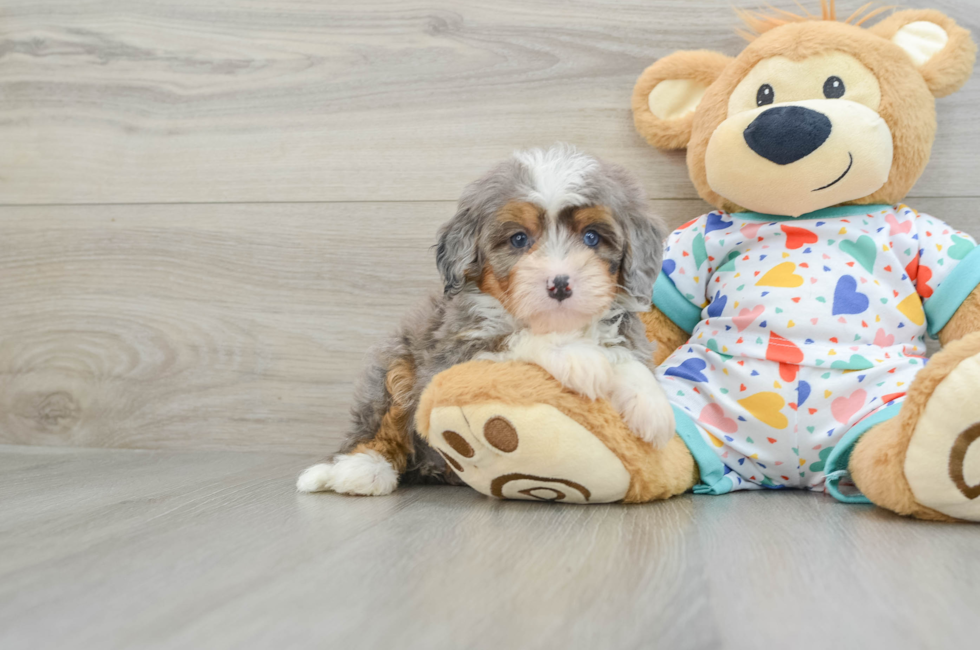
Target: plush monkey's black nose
pixel 559 290
pixel 785 134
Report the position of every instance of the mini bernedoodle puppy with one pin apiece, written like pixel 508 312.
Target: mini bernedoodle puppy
pixel 546 260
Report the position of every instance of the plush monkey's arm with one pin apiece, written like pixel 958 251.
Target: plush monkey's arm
pixel 965 321
pixel 667 335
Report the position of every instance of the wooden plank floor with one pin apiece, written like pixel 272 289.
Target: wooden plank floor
pixel 158 549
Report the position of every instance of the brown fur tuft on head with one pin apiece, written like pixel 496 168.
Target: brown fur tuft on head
pixel 760 22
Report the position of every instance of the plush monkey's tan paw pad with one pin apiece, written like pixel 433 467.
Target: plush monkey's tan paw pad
pixel 942 463
pixel 529 452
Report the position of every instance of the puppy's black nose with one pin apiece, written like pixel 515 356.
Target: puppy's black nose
pixel 785 134
pixel 559 289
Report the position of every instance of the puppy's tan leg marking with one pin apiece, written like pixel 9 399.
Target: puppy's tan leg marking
pixel 372 467
pixel 393 440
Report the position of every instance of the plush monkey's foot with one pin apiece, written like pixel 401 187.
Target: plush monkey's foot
pixel 527 452
pixel 926 461
pixel 510 431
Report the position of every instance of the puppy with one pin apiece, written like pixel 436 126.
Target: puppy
pixel 545 261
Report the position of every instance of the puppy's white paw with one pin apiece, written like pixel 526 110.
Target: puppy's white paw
pixel 366 473
pixel 649 417
pixel 578 364
pixel 644 406
pixel 316 478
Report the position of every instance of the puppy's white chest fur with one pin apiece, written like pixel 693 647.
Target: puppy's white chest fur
pixel 593 363
pixel 575 359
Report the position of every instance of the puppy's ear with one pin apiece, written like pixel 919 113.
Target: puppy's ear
pixel 456 252
pixel 667 94
pixel 942 50
pixel 642 254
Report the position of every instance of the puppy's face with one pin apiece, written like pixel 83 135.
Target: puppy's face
pixel 554 271
pixel 557 236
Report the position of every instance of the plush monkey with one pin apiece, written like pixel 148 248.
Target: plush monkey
pixel 790 321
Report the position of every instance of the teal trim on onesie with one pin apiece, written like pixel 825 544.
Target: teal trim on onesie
pixel 826 213
pixel 712 470
pixel 836 467
pixel 955 289
pixel 684 313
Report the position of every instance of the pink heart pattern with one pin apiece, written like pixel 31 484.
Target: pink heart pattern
pixel 844 408
pixel 714 416
pixel 746 316
pixel 897 228
pixel 883 340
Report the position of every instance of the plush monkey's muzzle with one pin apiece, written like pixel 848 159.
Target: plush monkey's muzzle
pixel 797 157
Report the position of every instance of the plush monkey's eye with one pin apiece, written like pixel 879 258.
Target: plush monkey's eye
pixel 518 240
pixel 833 88
pixel 591 238
pixel 765 95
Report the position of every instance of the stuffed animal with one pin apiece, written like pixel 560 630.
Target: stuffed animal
pixel 790 321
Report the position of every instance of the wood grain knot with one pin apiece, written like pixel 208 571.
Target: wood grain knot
pixel 56 411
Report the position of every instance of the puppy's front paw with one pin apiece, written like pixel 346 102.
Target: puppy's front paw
pixel 586 372
pixel 365 473
pixel 648 415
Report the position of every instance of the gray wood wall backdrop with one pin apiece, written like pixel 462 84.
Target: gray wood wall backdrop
pixel 209 209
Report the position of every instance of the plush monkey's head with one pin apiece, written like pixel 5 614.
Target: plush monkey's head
pixel 813 113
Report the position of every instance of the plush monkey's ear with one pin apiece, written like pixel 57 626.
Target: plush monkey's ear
pixel 941 50
pixel 666 94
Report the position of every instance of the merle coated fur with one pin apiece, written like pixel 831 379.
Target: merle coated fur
pixel 463 322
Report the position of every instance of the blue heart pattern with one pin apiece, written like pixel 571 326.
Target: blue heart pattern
pixel 690 370
pixel 717 305
pixel 716 222
pixel 847 299
pixel 802 392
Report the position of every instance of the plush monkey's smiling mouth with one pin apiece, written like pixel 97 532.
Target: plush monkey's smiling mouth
pixel 849 165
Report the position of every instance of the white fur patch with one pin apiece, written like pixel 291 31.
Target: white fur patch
pixel 581 363
pixel 576 362
pixel 365 473
pixel 315 478
pixel 558 174
pixel 643 404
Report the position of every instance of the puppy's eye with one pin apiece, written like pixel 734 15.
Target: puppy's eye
pixel 833 88
pixel 765 95
pixel 591 238
pixel 518 240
